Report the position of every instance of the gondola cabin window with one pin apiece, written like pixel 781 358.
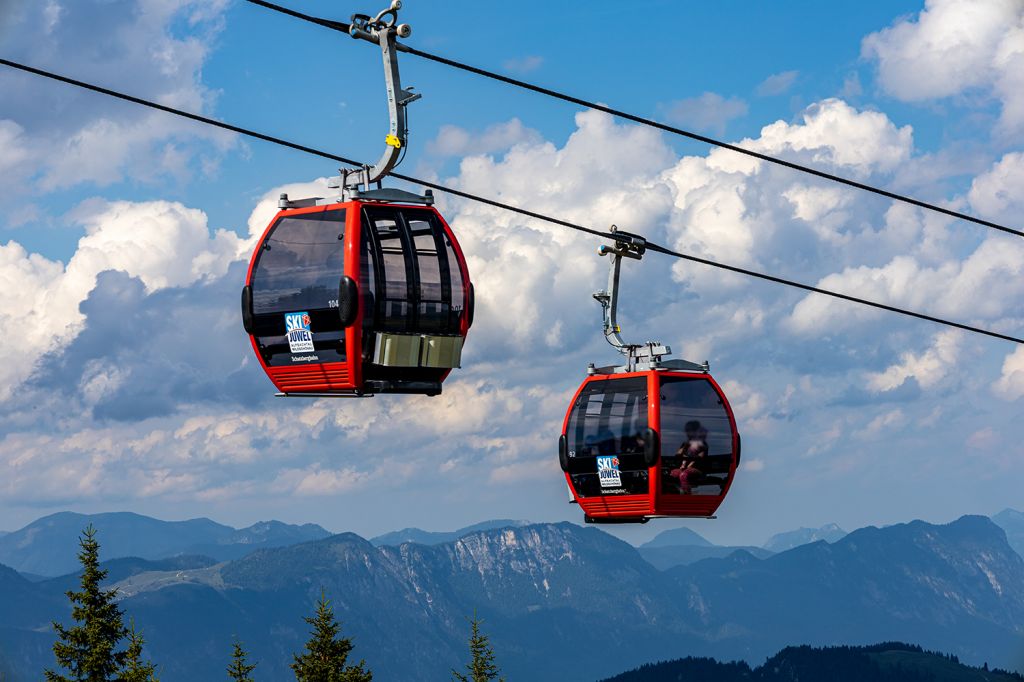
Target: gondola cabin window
pixel 696 437
pixel 295 289
pixel 605 438
pixel 395 271
pixel 458 287
pixel 433 308
pixel 420 274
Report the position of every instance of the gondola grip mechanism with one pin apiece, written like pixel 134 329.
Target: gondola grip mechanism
pixel 383 30
pixel 638 355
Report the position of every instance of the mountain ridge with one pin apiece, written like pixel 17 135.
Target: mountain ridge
pixel 674 537
pixel 1012 522
pixel 427 537
pixel 885 662
pixel 48 546
pixel 546 589
pixel 780 542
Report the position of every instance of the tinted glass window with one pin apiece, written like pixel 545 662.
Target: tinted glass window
pixel 417 273
pixel 368 292
pixel 395 284
pixel 696 437
pixel 300 264
pixel 606 429
pixel 458 288
pixel 394 271
pixel 433 310
pixel 295 286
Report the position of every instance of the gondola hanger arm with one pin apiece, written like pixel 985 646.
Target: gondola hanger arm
pixel 638 355
pixel 384 30
pixel 625 245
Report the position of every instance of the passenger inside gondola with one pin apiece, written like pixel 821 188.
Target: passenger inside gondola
pixel 691 458
pixel 696 439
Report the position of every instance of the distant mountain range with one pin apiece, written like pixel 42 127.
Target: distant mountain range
pixel 1012 521
pixel 682 547
pixel 888 662
pixel 49 546
pixel 560 602
pixel 677 537
pixel 672 556
pixel 804 536
pixel 426 537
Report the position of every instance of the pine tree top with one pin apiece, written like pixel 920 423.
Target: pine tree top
pixel 240 669
pixel 88 650
pixel 482 666
pixel 135 668
pixel 326 656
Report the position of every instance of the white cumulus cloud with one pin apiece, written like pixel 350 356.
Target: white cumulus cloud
pixel 55 137
pixel 1010 385
pixel 163 243
pixel 455 141
pixel 997 193
pixel 986 285
pixel 953 46
pixel 834 133
pixel 926 368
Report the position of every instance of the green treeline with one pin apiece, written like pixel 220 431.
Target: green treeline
pixel 885 662
pixel 99 647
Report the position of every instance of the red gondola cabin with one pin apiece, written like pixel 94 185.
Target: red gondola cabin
pixel 650 443
pixel 357 298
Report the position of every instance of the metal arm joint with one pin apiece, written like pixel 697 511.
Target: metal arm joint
pixel 384 30
pixel 626 245
pixel 638 355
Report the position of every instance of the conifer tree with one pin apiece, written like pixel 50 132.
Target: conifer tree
pixel 481 667
pixel 326 656
pixel 136 669
pixel 240 668
pixel 88 651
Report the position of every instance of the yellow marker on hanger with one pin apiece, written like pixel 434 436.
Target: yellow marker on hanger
pixel 393 141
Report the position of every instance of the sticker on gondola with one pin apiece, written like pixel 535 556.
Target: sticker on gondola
pixel 608 472
pixel 300 336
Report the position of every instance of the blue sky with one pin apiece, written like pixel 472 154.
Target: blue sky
pixel 128 382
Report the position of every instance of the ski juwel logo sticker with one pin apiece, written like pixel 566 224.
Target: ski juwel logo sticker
pixel 608 472
pixel 300 335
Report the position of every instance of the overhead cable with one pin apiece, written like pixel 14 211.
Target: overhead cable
pixel 344 28
pixel 497 204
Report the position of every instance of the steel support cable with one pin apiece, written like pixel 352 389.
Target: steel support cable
pixel 327 23
pixel 507 207
pixel 343 27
